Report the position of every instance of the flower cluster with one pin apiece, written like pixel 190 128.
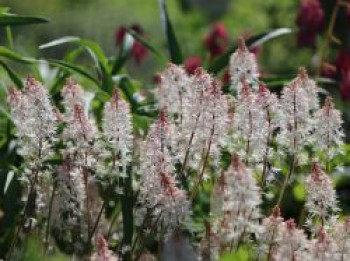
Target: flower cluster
pixel 243 64
pixel 197 110
pixel 63 196
pixel 161 202
pixel 103 253
pixel 227 145
pixel 34 117
pixel 328 129
pixel 117 131
pixel 321 200
pixel 241 202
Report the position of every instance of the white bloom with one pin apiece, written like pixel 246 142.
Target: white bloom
pixel 321 201
pixel 174 85
pixel 309 86
pixel 80 129
pixel 250 139
pixel 341 235
pixel 295 118
pixel 72 94
pixel 69 202
pixel 34 118
pixel 197 110
pixel 323 248
pixel 270 231
pixel 241 209
pixel 292 243
pixel 159 195
pixel 117 130
pixel 328 132
pixel 242 64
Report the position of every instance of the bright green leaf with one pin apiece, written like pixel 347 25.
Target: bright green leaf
pixel 173 44
pixel 15 20
pixel 12 74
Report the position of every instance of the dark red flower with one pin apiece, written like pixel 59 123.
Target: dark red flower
pixel 192 63
pixel 343 61
pixel 119 35
pixel 329 70
pixel 306 39
pixel 343 68
pixel 217 40
pixel 310 20
pixel 138 51
pixel 345 86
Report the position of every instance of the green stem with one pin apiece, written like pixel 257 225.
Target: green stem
pixel 92 232
pixel 286 180
pixel 49 217
pixel 328 36
pixel 9 37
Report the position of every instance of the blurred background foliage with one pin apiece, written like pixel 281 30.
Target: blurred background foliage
pixel 98 20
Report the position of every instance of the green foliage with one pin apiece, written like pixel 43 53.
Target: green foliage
pixel 173 44
pixel 219 63
pixel 242 254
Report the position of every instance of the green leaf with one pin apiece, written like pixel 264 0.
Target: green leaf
pixel 173 44
pixel 299 192
pixel 13 76
pixel 95 52
pixel 63 40
pixel 222 61
pixel 151 48
pixel 62 75
pixel 73 68
pixel 93 48
pixel 126 85
pixel 16 20
pixel 4 52
pixel 242 254
pixel 258 40
pixel 4 9
pixel 324 80
pixel 124 53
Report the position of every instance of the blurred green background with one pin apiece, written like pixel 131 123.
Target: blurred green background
pixel 192 19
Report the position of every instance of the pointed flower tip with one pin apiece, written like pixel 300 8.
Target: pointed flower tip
pixel 329 104
pixel 70 82
pixel 199 72
pixel 263 90
pixel 241 44
pixel 115 96
pixel 276 211
pixel 315 167
pixel 302 72
pixel 291 224
pixel 236 161
pixel 30 80
pixel 13 95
